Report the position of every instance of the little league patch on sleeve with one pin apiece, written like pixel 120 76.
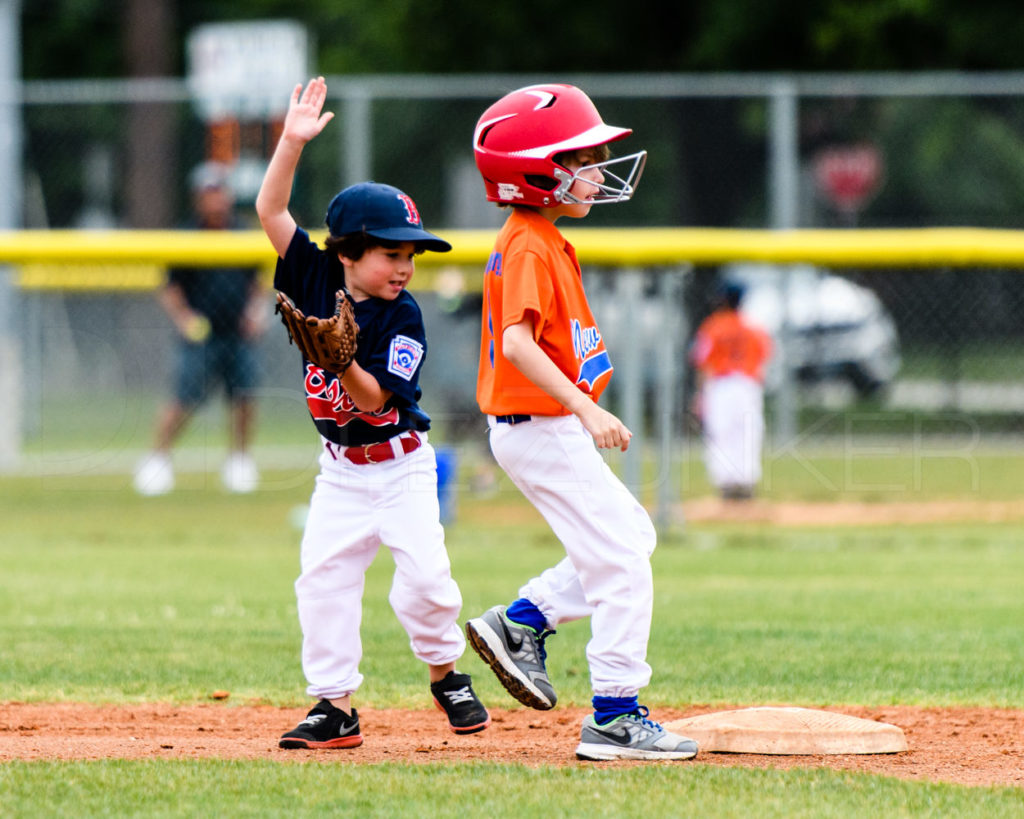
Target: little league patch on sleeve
pixel 405 357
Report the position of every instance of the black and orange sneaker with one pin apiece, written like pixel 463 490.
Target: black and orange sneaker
pixel 454 695
pixel 325 727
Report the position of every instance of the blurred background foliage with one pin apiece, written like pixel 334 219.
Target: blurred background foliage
pixel 94 38
pixel 707 155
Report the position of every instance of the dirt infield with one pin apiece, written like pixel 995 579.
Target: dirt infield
pixel 968 746
pixel 851 513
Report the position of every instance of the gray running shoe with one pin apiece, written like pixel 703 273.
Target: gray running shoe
pixel 515 654
pixel 632 736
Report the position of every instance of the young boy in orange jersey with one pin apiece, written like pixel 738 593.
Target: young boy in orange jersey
pixel 543 365
pixel 729 355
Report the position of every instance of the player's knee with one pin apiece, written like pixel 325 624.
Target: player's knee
pixel 426 594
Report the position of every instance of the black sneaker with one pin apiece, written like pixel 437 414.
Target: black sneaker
pixel 454 695
pixel 325 727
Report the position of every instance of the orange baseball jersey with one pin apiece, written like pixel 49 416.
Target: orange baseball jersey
pixel 533 273
pixel 727 344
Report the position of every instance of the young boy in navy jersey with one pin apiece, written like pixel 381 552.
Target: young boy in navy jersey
pixel 378 474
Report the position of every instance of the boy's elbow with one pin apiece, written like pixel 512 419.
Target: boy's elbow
pixel 266 222
pixel 262 209
pixel 517 351
pixel 517 341
pixel 511 355
pixel 508 352
pixel 511 347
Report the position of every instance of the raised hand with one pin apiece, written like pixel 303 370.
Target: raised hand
pixel 306 117
pixel 304 120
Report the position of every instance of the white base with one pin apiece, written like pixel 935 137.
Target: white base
pixel 788 730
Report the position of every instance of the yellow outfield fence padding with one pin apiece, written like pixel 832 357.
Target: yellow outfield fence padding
pixel 97 276
pixel 162 247
pixel 920 247
pixel 105 276
pixel 135 259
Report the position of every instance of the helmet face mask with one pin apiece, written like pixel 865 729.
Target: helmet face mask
pixel 517 138
pixel 621 189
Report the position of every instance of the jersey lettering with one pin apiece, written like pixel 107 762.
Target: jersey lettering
pixel 584 339
pixel 493 266
pixel 328 401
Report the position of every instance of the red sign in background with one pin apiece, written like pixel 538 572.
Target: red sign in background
pixel 848 175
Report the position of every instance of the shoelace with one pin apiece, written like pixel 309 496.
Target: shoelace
pixel 459 695
pixel 540 643
pixel 642 711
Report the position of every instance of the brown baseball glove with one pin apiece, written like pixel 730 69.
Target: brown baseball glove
pixel 329 343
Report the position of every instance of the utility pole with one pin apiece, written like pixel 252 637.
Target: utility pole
pixel 784 180
pixel 11 376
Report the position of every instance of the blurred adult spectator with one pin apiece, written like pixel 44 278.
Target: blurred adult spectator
pixel 218 314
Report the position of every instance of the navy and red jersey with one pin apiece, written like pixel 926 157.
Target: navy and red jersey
pixel 391 347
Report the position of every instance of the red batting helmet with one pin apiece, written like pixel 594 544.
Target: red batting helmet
pixel 517 137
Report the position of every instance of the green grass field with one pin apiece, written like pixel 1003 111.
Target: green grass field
pixel 110 598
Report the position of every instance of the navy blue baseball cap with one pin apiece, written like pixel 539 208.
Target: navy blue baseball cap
pixel 730 292
pixel 383 212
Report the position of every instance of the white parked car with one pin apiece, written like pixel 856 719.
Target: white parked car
pixel 839 330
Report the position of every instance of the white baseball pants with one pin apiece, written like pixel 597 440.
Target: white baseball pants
pixel 353 510
pixel 733 430
pixel 608 539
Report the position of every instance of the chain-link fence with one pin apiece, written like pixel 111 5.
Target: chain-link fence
pixel 902 351
pixel 97 366
pixel 940 342
pixel 868 150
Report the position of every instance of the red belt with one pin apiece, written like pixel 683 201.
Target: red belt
pixel 383 451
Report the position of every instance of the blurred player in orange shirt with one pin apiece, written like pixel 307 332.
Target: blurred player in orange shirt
pixel 729 354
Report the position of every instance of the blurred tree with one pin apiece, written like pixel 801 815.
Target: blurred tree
pixel 148 32
pixel 64 38
pixel 70 38
pixel 855 35
pixel 470 36
pixel 707 156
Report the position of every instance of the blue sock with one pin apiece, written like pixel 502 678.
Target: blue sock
pixel 608 708
pixel 525 613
